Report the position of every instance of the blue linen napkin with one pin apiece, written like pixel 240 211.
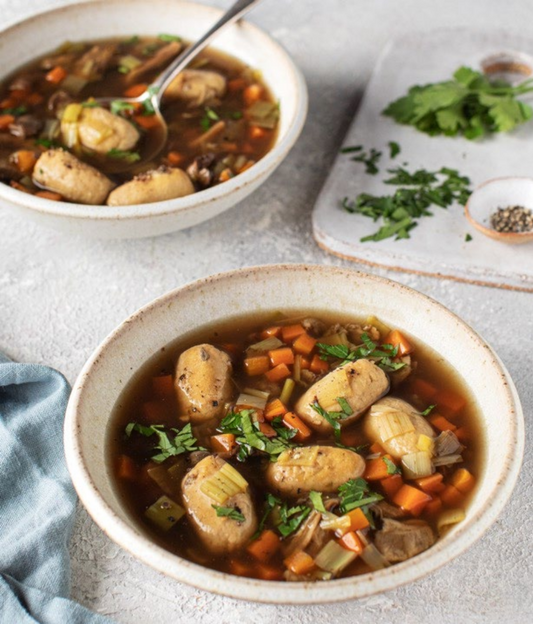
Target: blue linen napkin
pixel 37 499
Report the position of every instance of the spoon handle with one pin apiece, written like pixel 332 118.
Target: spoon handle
pixel 181 61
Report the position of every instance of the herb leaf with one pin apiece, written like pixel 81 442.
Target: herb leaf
pixel 229 512
pixel 356 493
pixel 183 441
pixel 292 518
pixel 382 354
pixel 129 157
pixel 333 417
pixel 428 409
pixel 318 503
pixel 392 468
pixel 117 106
pixel 369 159
pixel 271 502
pixel 394 149
pixel 168 38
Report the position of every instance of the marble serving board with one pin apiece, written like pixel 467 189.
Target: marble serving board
pixel 437 245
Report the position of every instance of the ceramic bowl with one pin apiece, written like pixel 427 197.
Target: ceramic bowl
pixel 306 287
pixel 93 19
pixel 500 193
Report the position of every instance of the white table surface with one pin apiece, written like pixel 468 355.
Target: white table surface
pixel 59 297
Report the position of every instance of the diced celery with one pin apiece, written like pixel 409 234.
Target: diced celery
pixel 249 400
pixel 224 484
pixel 164 513
pixel 128 62
pixel 425 443
pixel 73 84
pixel 286 393
pixel 268 344
pixel 258 393
pixel 449 517
pixel 334 558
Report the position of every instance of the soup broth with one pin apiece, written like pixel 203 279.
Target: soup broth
pixel 302 530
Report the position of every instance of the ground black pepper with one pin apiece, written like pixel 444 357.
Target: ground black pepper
pixel 512 219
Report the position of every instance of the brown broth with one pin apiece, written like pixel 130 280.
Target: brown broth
pixel 232 151
pixel 182 539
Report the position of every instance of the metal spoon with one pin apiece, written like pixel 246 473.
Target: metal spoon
pixel 156 90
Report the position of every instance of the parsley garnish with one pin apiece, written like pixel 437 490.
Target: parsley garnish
pixel 468 238
pixel 428 409
pixel 182 442
pixel 48 143
pixel 209 116
pixel 129 157
pixel 249 436
pixel 355 449
pixel 333 417
pixel 356 493
pixel 292 518
pixel 271 502
pixel 229 512
pixel 318 503
pixel 392 468
pixel 469 104
pixel 394 149
pixel 117 106
pixel 132 40
pixel 19 110
pixel 168 38
pixel 382 354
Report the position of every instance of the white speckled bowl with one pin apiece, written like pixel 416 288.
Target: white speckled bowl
pixel 296 286
pixel 94 19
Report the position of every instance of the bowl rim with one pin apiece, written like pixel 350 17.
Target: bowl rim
pixel 281 592
pixel 180 205
pixel 488 231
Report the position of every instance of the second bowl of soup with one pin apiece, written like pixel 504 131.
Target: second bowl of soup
pixel 308 452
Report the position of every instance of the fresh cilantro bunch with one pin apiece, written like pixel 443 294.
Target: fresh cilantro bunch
pixel 470 105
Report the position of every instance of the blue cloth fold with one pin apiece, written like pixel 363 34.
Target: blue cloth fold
pixel 37 499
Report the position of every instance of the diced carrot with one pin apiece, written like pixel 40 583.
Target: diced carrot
pixel 449 403
pixel 136 90
pixel 431 484
pixel 434 507
pixel 19 187
pixel 268 572
pixel 49 195
pixel 291 421
pixel 237 84
pixel 147 121
pixel 25 160
pixel 6 121
pixel 279 372
pixel 225 175
pixel 267 430
pixel 246 166
pixel 8 103
pixel 284 355
pixel 163 386
pixel 441 423
pixel 300 562
pixel 358 519
pixel 126 468
pixel 56 75
pixel 423 389
pixel 227 146
pixel 391 485
pixel 377 469
pixel 376 448
pixel 271 332
pixel 175 158
pixel 239 568
pixel 451 496
pixel 257 365
pixel 463 434
pixel 318 366
pixel 252 94
pixel 232 348
pixel 265 546
pixel 350 541
pixel 274 409
pixel 351 438
pixel 223 443
pixel 304 344
pixel 463 480
pixel 305 363
pixel 19 95
pixel 34 99
pixel 291 332
pixel 397 339
pixel 154 412
pixel 256 132
pixel 411 499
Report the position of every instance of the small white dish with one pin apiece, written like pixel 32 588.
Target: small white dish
pixel 303 287
pixel 500 193
pixel 95 19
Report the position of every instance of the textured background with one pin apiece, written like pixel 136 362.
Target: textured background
pixel 60 296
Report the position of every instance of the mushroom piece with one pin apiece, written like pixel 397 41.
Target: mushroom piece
pixel 101 131
pixel 196 86
pixel 26 126
pixel 93 64
pixel 393 410
pixel 60 171
pixel 153 186
pixel 300 470
pixel 203 383
pixel 360 383
pixel 162 56
pixel 220 535
pixel 398 541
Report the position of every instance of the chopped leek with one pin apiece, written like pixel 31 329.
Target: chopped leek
pixel 417 465
pixel 331 522
pixel 373 558
pixel 164 513
pixel 447 444
pixel 251 401
pixel 224 484
pixel 384 330
pixel 449 517
pixel 316 499
pixel 73 84
pixel 266 345
pixel 447 460
pixel 334 558
pixel 288 387
pixel 394 424
pixel 127 63
pixel 257 393
pixel 425 443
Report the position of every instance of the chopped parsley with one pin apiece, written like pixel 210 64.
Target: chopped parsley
pixel 168 445
pixel 468 238
pixel 333 417
pixel 18 110
pixel 117 106
pixel 291 518
pixel 392 468
pixel 356 493
pixel 229 512
pixel 129 157
pixel 394 149
pixel 382 354
pixel 428 410
pixel 369 159
pixel 351 149
pixel 48 143
pixel 209 116
pixel 318 503
pixel 271 502
pixel 168 38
